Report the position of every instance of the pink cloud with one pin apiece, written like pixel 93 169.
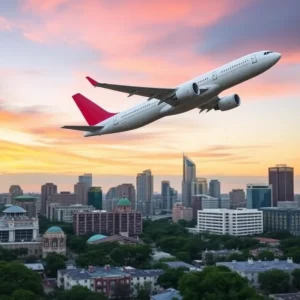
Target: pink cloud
pixel 42 6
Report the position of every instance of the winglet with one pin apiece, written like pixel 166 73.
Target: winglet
pixel 92 81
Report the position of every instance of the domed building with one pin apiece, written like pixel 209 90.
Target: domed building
pixel 96 238
pixel 54 240
pixel 124 205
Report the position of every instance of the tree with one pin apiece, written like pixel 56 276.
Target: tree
pixel 80 293
pixel 170 278
pixel 30 259
pixel 236 256
pixel 143 291
pixel 266 255
pixel 215 283
pixel 15 276
pixel 54 262
pixel 24 295
pixel 296 278
pixel 274 281
pixel 183 256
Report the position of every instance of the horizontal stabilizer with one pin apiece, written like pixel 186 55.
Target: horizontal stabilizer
pixel 84 128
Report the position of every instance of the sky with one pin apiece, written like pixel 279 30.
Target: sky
pixel 49 46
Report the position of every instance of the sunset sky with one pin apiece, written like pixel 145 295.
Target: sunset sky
pixel 49 46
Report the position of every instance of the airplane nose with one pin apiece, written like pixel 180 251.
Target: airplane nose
pixel 278 56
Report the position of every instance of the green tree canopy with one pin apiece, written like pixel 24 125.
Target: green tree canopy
pixel 170 278
pixel 266 255
pixel 15 277
pixel 215 283
pixel 54 262
pixel 274 281
pixel 296 278
pixel 80 293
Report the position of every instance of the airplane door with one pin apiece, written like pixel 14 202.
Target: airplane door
pixel 253 58
pixel 214 75
pixel 116 120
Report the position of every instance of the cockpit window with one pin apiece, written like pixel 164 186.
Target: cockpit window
pixel 266 53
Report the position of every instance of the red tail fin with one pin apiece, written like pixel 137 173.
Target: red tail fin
pixel 92 113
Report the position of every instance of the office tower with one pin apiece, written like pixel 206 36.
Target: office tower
pixel 144 184
pixel 95 197
pixel 189 175
pixel 165 195
pixel 241 221
pixel 173 197
pixel 28 203
pixel 126 190
pixel 282 179
pixel 200 202
pixel 48 190
pixel 14 191
pixel 81 192
pixel 199 186
pixel 215 188
pixel 87 179
pixel 259 195
pixel 237 198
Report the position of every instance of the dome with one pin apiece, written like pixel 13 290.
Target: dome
pixel 124 202
pixel 14 209
pixel 54 229
pixel 96 237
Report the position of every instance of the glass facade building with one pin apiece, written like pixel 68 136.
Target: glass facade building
pixel 259 195
pixel 95 197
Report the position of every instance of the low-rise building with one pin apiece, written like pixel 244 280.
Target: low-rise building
pixel 168 294
pixel 119 238
pixel 268 241
pixel 54 240
pixel 287 296
pixel 180 212
pixel 181 264
pixel 147 278
pixel 37 268
pixel 250 269
pixel 158 255
pixel 216 254
pixel 239 222
pixel 257 251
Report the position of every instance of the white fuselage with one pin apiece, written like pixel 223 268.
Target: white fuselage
pixel 218 80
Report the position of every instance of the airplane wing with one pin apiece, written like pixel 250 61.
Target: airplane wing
pixel 209 105
pixel 83 128
pixel 163 94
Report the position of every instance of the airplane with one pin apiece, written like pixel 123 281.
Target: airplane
pixel 201 92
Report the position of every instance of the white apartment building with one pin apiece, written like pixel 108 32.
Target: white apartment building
pixel 238 222
pixel 64 213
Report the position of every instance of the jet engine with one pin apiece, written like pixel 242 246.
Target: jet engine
pixel 228 102
pixel 187 91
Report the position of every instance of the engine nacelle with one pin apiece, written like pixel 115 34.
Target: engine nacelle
pixel 187 91
pixel 228 102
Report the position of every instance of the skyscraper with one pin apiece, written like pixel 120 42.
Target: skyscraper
pixel 165 195
pixel 95 197
pixel 81 192
pixel 86 178
pixel 144 184
pixel 126 190
pixel 237 198
pixel 199 186
pixel 259 195
pixel 189 175
pixel 282 179
pixel 14 191
pixel 215 188
pixel 48 190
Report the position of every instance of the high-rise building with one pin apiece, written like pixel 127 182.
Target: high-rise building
pixel 259 195
pixel 95 197
pixel 282 179
pixel 14 191
pixel 241 221
pixel 126 190
pixel 87 179
pixel 48 190
pixel 144 184
pixel 122 220
pixel 28 203
pixel 215 188
pixel 199 186
pixel 189 175
pixel 165 195
pixel 173 197
pixel 81 192
pixel 201 201
pixel 237 198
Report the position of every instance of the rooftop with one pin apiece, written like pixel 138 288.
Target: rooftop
pixel 289 296
pixel 168 294
pixel 266 240
pixel 251 266
pixel 25 198
pixel 35 267
pixel 223 251
pixel 14 209
pixel 144 273
pixel 180 264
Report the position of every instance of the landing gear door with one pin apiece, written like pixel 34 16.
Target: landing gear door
pixel 253 58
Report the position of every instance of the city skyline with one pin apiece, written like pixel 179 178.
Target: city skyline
pixel 235 147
